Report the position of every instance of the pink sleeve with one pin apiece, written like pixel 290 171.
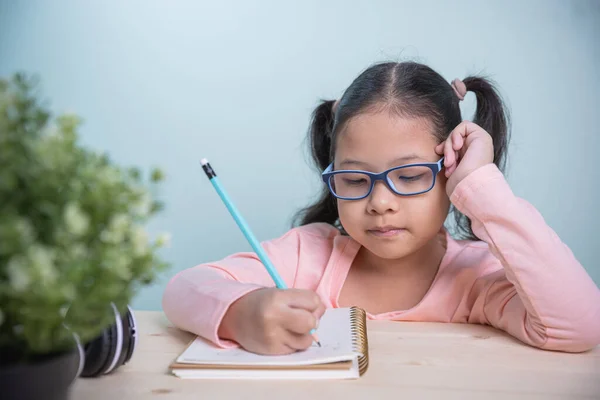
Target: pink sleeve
pixel 196 299
pixel 542 295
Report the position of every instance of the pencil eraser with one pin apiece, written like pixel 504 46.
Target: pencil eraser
pixel 204 161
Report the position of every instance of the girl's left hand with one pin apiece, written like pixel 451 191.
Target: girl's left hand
pixel 467 148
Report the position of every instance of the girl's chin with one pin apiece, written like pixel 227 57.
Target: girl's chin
pixel 388 249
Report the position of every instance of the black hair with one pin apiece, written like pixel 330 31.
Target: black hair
pixel 408 89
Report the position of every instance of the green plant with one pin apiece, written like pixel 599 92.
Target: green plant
pixel 72 236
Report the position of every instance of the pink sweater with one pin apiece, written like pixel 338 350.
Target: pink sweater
pixel 521 278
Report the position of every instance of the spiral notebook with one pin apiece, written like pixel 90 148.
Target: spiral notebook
pixel 344 355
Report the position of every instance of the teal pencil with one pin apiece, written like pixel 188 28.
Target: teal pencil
pixel 237 216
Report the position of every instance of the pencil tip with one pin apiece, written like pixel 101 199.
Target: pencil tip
pixel 319 343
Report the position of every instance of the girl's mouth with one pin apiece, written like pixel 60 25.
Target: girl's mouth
pixel 386 231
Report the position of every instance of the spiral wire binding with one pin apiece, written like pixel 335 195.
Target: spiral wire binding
pixel 360 342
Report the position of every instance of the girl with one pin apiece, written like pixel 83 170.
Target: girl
pixel 396 159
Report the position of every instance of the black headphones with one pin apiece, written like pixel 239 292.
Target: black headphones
pixel 111 349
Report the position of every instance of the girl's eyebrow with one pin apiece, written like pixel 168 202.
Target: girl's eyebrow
pixel 397 161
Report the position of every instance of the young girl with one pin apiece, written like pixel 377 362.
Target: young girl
pixel 396 158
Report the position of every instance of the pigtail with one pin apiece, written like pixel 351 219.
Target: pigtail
pixel 492 115
pixel 324 209
pixel 321 126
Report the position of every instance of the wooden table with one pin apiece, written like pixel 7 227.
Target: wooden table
pixel 408 360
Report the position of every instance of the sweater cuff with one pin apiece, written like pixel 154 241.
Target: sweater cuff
pixel 227 292
pixel 483 189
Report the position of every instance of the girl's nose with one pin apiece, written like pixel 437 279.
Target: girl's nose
pixel 382 199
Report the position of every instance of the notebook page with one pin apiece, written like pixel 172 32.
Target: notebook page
pixel 312 374
pixel 334 333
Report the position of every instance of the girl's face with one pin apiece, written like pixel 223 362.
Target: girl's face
pixel 389 225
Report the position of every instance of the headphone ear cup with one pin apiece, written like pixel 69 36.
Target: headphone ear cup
pixel 132 334
pixel 116 343
pixel 96 353
pixel 112 348
pixel 103 351
pixel 126 342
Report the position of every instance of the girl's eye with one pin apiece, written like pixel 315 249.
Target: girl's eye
pixel 355 182
pixel 413 178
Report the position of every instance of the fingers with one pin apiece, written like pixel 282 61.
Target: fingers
pixel 299 321
pixel 318 313
pixel 446 149
pixel 449 155
pixel 284 348
pixel 457 139
pixel 304 299
pixel 305 310
pixel 452 146
pixel 295 313
pixel 297 324
pixel 298 341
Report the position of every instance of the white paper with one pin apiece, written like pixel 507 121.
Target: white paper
pixel 334 333
pixel 300 374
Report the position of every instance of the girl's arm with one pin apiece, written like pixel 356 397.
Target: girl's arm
pixel 542 295
pixel 196 299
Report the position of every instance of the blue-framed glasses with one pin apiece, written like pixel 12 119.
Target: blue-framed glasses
pixel 405 180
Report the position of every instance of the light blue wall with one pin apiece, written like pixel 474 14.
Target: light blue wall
pixel 235 81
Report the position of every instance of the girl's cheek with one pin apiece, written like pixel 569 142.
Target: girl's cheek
pixel 350 213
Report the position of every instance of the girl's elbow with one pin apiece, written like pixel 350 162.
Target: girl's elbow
pixel 578 339
pixel 570 346
pixel 589 335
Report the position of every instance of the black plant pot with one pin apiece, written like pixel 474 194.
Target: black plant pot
pixel 47 378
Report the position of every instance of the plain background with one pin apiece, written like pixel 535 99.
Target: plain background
pixel 168 83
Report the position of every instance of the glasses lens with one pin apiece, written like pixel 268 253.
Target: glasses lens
pixel 350 184
pixel 411 180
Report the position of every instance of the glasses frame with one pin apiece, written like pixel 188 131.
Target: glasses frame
pixel 435 168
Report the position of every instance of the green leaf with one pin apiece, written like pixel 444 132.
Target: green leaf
pixel 72 237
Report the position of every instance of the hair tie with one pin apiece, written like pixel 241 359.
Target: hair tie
pixel 335 106
pixel 459 88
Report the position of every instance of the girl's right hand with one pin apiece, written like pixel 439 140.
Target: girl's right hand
pixel 273 321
